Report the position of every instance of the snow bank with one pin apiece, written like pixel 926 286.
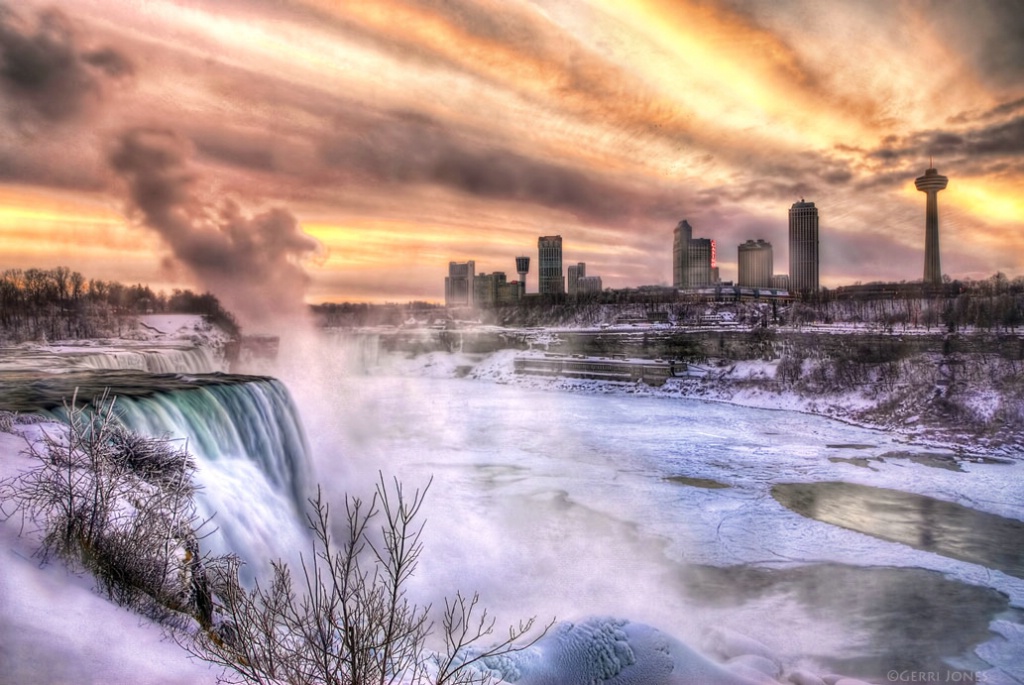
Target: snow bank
pixel 55 629
pixel 191 327
pixel 743 383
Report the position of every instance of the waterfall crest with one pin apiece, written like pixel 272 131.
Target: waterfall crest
pixel 253 461
pixel 198 359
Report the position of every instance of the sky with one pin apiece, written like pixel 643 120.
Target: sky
pixel 281 151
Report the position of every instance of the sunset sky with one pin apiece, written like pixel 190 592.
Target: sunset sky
pixel 327 151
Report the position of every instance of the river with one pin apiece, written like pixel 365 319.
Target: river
pixel 553 503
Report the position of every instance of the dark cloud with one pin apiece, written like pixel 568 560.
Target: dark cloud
pixel 837 176
pixel 46 69
pixel 404 149
pixel 990 33
pixel 1000 139
pixel 782 177
pixel 110 62
pixel 254 153
pixel 1005 138
pixel 997 112
pixel 251 262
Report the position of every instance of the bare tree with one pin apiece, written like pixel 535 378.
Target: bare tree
pixel 351 622
pixel 122 507
pixel 118 505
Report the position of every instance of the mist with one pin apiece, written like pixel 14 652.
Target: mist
pixel 561 504
pixel 252 262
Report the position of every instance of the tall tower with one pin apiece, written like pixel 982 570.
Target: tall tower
pixel 931 183
pixel 803 247
pixel 700 262
pixel 458 284
pixel 522 267
pixel 680 251
pixel 575 274
pixel 551 280
pixel 755 264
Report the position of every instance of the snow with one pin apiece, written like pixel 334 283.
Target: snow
pixel 614 652
pixel 566 480
pixel 156 343
pixel 57 630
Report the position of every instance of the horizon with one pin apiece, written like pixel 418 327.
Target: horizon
pixel 300 152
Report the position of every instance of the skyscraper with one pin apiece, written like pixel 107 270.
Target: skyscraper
pixel 458 284
pixel 931 183
pixel 803 247
pixel 693 259
pixel 755 264
pixel 680 251
pixel 700 262
pixel 551 280
pixel 575 274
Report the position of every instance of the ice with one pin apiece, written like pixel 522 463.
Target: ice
pixel 612 651
pixel 556 497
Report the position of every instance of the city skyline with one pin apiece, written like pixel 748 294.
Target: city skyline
pixel 349 152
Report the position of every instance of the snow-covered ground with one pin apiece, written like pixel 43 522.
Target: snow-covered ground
pixel 747 383
pixel 158 343
pixel 56 630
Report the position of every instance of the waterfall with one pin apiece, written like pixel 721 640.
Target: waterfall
pixel 356 352
pixel 153 360
pixel 253 461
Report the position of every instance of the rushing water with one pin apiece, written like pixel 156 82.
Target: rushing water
pixel 124 356
pixel 159 360
pixel 249 443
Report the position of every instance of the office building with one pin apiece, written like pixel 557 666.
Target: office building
pixel 931 183
pixel 694 260
pixel 755 264
pixel 701 263
pixel 575 273
pixel 459 284
pixel 551 280
pixel 803 247
pixel 486 288
pixel 588 285
pixel 680 245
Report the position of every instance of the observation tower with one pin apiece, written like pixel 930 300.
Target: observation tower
pixel 931 183
pixel 522 267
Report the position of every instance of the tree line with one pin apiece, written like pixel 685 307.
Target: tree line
pixel 60 304
pixel 992 304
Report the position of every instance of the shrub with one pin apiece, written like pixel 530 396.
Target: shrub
pixel 122 507
pixel 351 621
pixel 118 505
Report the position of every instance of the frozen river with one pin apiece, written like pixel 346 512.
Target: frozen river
pixel 661 510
